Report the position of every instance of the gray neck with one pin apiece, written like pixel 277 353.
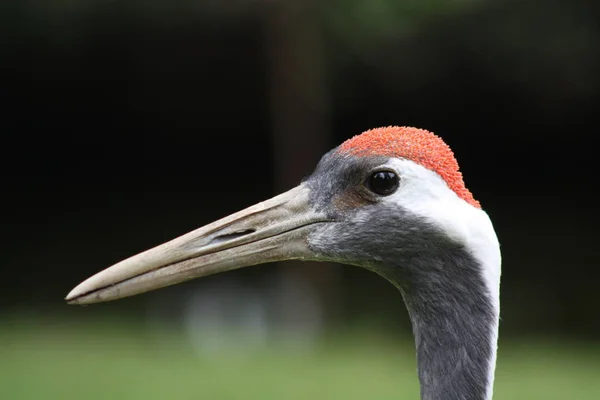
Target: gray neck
pixel 454 351
pixel 455 327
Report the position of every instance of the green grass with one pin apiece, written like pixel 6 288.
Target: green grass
pixel 59 360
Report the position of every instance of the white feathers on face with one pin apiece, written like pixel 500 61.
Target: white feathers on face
pixel 425 193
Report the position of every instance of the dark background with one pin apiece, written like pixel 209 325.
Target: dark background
pixel 125 124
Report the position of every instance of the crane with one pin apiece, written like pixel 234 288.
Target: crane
pixel 391 200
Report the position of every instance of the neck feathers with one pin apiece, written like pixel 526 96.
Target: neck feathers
pixel 455 323
pixel 456 329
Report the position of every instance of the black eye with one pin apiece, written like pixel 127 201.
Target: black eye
pixel 384 182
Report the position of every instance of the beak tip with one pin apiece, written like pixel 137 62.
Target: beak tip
pixel 87 291
pixel 78 296
pixel 80 300
pixel 71 298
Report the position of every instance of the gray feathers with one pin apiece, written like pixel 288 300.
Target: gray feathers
pixel 452 313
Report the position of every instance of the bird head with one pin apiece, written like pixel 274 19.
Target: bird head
pixel 382 200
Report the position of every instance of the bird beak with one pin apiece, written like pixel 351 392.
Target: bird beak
pixel 274 230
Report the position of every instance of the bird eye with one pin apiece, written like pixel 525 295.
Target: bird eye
pixel 383 182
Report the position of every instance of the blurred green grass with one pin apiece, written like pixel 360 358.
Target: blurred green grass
pixel 56 359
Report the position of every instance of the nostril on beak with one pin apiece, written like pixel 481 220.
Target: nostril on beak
pixel 230 236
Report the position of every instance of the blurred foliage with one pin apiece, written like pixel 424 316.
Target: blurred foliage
pixel 361 22
pixel 54 359
pixel 357 21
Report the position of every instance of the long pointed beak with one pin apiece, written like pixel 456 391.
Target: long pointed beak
pixel 274 230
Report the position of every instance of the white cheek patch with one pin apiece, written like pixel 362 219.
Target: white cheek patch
pixel 425 193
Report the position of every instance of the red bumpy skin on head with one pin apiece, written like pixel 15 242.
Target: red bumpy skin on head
pixel 417 145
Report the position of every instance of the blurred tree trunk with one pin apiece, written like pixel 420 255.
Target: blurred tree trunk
pixel 301 135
